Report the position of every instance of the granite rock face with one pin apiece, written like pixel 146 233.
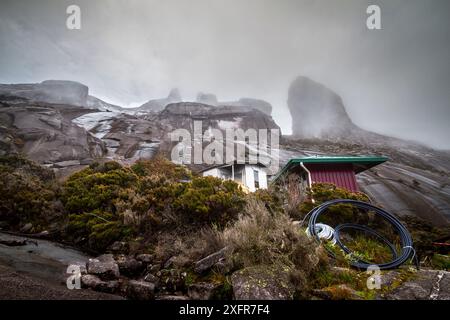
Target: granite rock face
pixel 182 115
pixel 45 133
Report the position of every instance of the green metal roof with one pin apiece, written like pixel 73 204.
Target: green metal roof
pixel 360 163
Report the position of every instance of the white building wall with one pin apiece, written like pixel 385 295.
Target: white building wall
pixel 212 172
pixel 248 176
pixel 250 179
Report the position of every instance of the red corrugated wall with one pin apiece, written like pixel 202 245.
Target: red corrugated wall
pixel 342 175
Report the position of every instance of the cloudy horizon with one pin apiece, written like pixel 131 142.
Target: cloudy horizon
pixel 394 81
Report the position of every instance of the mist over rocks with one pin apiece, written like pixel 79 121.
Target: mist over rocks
pixel 181 115
pixel 96 103
pixel 259 104
pixel 317 111
pixel 51 91
pixel 156 105
pixel 211 99
pixel 207 98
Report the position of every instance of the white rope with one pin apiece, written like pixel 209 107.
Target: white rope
pixel 323 231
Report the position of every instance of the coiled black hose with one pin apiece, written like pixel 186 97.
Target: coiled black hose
pixel 405 238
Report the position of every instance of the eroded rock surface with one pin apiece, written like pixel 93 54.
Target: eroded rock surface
pixel 261 283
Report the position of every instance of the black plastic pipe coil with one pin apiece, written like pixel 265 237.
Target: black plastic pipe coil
pixel 405 238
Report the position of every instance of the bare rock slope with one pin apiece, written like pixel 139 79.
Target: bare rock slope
pixel 46 134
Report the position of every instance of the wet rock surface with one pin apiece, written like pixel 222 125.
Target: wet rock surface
pixel 104 266
pixel 38 270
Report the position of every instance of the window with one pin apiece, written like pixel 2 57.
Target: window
pixel 238 176
pixel 256 178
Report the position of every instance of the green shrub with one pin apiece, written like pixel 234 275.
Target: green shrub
pixel 27 192
pixel 323 192
pixel 209 200
pixel 96 187
pixel 90 197
pixel 162 167
pixel 96 230
pixel 274 198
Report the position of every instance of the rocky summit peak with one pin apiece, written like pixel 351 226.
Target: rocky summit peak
pixel 317 111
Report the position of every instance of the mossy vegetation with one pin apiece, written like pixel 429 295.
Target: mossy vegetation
pixel 440 261
pixel 28 193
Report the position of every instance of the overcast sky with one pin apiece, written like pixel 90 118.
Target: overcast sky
pixel 393 81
